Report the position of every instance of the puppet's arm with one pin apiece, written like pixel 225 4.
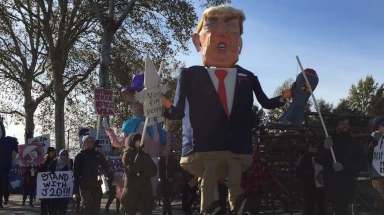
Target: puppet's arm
pixel 115 140
pixel 262 98
pixel 176 111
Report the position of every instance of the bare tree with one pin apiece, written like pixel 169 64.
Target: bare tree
pixel 66 26
pixel 22 61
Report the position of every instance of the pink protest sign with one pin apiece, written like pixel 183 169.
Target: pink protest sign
pixel 104 102
pixel 31 154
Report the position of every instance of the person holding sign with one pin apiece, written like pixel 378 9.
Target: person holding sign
pixel 48 206
pixel 154 137
pixel 63 164
pixel 340 176
pixel 219 100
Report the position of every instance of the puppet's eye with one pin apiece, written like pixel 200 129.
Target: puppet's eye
pixel 210 22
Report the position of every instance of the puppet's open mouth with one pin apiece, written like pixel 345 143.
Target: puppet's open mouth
pixel 221 45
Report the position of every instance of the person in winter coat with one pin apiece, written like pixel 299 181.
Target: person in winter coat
pixel 86 170
pixel 340 176
pixel 48 206
pixel 139 168
pixel 310 173
pixel 63 164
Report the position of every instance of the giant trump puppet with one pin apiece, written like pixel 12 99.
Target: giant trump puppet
pixel 215 102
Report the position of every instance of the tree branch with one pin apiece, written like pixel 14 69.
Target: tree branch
pixel 13 112
pixel 78 80
pixel 125 13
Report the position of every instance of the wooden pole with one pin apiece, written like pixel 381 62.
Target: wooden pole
pixel 316 106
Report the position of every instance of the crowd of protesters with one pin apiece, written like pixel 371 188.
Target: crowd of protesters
pixel 323 180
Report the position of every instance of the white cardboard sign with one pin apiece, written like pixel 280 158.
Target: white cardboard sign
pixel 378 157
pixel 52 185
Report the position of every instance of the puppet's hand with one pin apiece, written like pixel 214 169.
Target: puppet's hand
pixel 338 166
pixel 286 94
pixel 166 103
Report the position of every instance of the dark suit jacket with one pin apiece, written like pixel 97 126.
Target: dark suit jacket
pixel 212 129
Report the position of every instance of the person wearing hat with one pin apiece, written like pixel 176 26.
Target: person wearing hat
pixel 85 171
pixel 155 134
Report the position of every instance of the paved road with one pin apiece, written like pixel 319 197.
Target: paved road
pixel 15 207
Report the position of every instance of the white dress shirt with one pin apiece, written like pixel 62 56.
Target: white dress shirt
pixel 230 84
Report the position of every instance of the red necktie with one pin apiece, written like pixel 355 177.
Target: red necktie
pixel 221 74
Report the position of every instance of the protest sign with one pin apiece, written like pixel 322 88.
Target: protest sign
pixel 103 140
pixel 51 185
pixel 31 154
pixel 15 177
pixel 378 158
pixel 104 102
pixel 116 163
pixel 42 140
pixel 152 104
pixel 151 94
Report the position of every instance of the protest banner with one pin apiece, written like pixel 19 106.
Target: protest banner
pixel 31 154
pixel 51 185
pixel 104 102
pixel 42 140
pixel 103 141
pixel 152 104
pixel 118 173
pixel 378 159
pixel 15 177
pixel 116 163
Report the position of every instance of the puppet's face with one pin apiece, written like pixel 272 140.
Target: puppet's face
pixel 219 40
pixel 128 96
pixel 135 106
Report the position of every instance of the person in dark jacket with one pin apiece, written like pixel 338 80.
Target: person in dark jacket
pixel 169 172
pixel 48 206
pixel 8 151
pixel 310 173
pixel 139 168
pixel 63 164
pixel 340 175
pixel 86 169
